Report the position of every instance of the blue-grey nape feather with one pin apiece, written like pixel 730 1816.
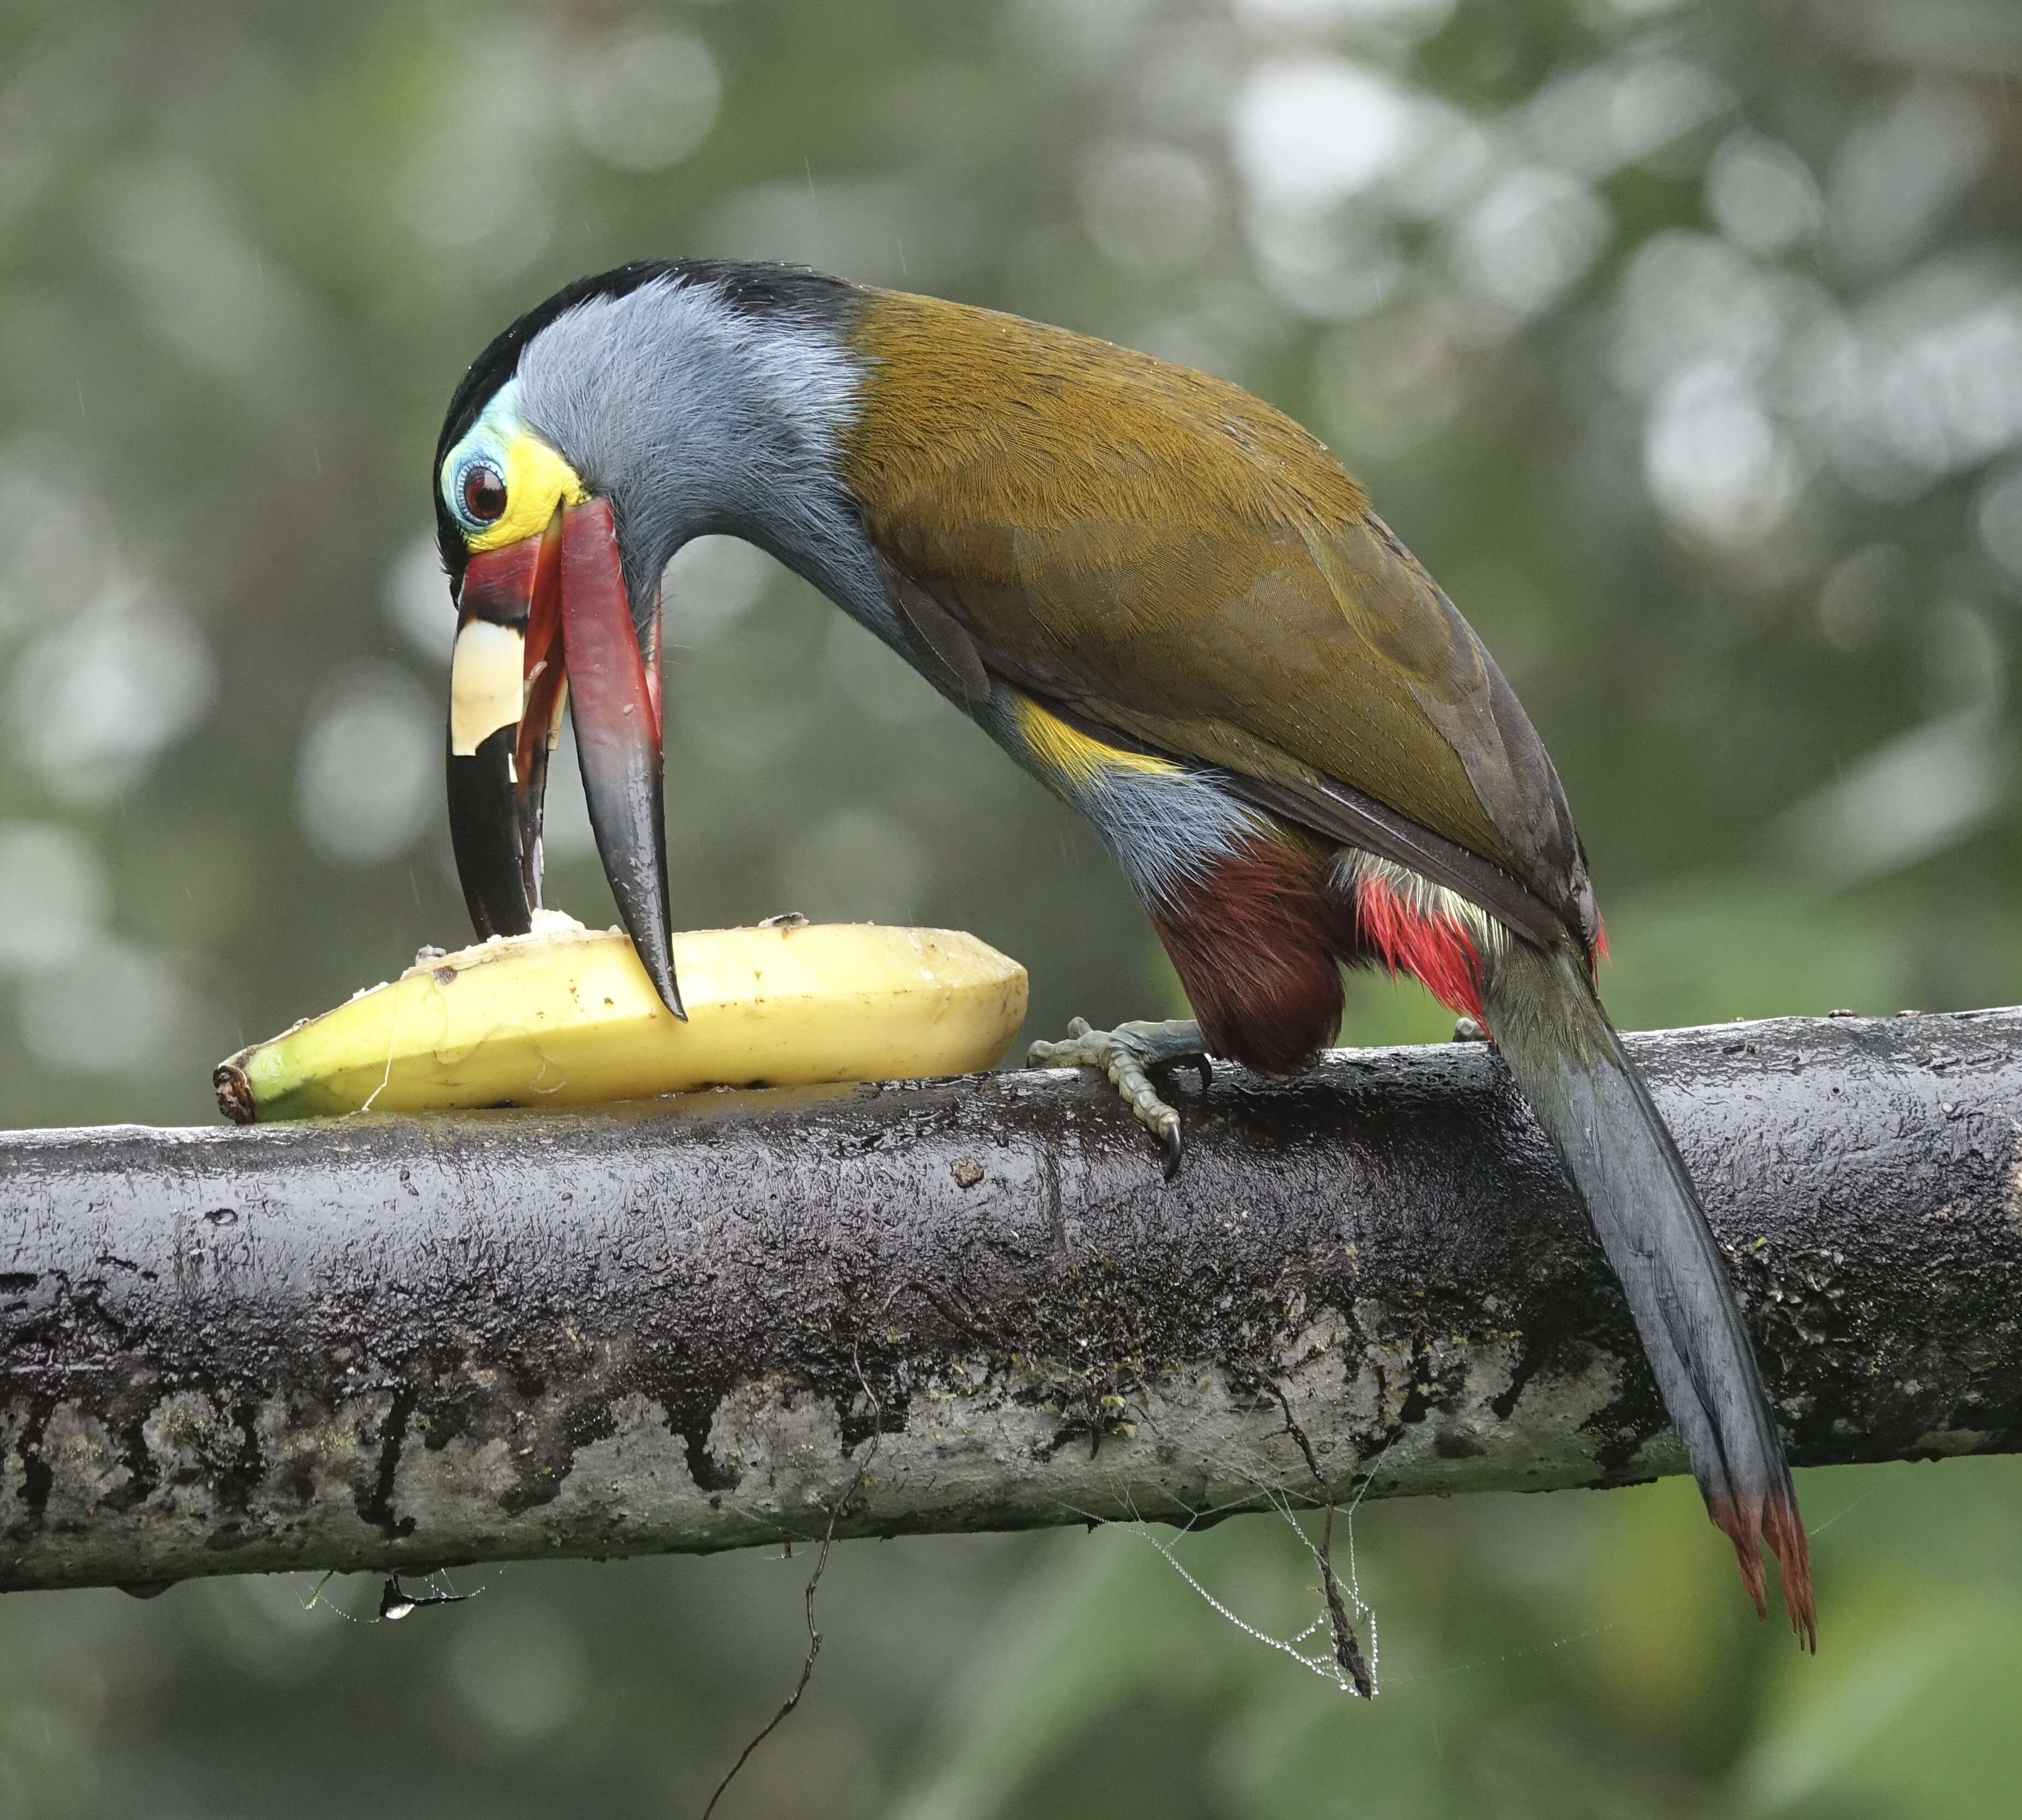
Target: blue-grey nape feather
pixel 692 412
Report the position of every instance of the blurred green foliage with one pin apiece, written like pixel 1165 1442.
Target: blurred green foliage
pixel 1684 341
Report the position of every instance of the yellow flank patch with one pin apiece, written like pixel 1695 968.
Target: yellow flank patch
pixel 1070 753
pixel 537 480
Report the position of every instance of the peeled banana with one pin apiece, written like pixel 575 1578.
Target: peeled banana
pixel 565 1017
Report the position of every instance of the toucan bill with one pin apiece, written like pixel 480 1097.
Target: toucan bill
pixel 540 623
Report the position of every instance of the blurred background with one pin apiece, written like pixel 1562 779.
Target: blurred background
pixel 1684 341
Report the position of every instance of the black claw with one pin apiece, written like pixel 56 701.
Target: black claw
pixel 1174 1147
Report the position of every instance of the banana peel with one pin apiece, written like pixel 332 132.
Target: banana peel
pixel 565 1017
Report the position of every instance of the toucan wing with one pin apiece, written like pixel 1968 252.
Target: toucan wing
pixel 1173 563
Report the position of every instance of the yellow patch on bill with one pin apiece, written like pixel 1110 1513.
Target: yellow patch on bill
pixel 486 690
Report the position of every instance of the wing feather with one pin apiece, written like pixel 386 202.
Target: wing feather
pixel 1162 556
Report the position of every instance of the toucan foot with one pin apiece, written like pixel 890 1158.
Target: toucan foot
pixel 1128 1055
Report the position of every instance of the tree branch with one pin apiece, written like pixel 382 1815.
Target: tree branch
pixel 406 1343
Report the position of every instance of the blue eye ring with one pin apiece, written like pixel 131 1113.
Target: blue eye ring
pixel 477 495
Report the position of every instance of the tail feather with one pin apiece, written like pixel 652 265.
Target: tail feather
pixel 1571 1068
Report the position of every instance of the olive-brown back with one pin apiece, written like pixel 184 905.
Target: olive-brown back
pixel 1170 557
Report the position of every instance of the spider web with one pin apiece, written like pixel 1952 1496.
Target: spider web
pixel 1328 1662
pixel 1344 1608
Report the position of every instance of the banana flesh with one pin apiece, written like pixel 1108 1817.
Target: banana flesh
pixel 565 1017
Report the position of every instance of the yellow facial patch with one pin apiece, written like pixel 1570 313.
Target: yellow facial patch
pixel 537 480
pixel 1070 753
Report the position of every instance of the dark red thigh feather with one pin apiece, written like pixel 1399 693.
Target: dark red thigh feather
pixel 1258 942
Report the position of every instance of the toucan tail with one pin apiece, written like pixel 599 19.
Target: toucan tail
pixel 1569 1064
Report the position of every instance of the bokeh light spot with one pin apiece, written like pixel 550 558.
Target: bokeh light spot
pixel 370 777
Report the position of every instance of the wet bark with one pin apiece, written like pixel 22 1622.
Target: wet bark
pixel 397 1342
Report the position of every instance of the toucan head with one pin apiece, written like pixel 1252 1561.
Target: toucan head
pixel 627 413
pixel 543 612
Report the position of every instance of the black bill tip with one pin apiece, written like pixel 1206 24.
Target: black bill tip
pixel 484 831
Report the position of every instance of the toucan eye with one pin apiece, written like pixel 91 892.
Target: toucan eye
pixel 483 488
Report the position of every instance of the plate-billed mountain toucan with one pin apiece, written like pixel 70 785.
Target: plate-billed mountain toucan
pixel 1163 599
